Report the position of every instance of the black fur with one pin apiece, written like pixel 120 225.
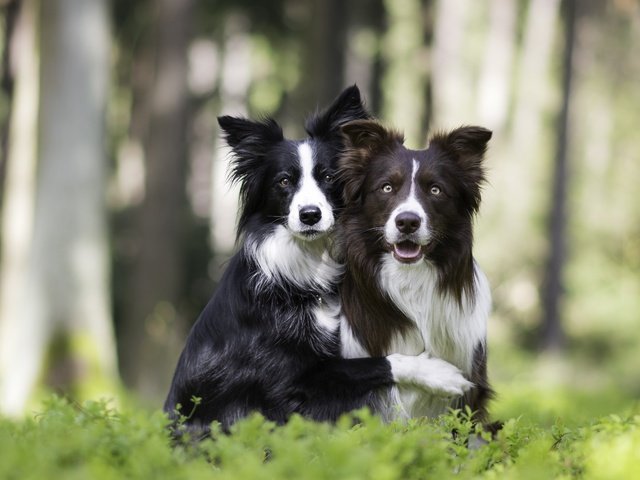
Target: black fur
pixel 257 345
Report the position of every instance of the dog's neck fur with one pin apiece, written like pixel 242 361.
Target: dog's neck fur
pixel 282 258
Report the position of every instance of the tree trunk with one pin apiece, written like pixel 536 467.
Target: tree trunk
pixel 62 329
pixel 451 74
pixel 524 150
pixel 152 330
pixel 530 100
pixel 323 56
pixel 235 80
pixel 17 220
pixel 495 76
pixel 362 60
pixel 406 67
pixel 553 336
pixel 11 15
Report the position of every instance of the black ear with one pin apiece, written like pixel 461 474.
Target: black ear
pixel 466 147
pixel 363 139
pixel 249 141
pixel 346 107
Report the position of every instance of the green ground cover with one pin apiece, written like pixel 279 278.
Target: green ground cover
pixel 96 441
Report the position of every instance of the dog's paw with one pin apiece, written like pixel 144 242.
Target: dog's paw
pixel 442 378
pixel 432 374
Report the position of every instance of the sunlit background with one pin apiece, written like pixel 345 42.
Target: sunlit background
pixel 117 218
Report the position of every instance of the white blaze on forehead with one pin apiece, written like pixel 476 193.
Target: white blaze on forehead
pixel 309 194
pixel 308 191
pixel 306 158
pixel 414 170
pixel 412 205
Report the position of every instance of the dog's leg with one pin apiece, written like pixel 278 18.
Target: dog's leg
pixel 338 385
pixel 431 374
pixel 335 386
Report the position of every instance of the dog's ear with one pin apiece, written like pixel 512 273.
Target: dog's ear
pixel 470 140
pixel 348 106
pixel 370 136
pixel 363 140
pixel 466 146
pixel 249 141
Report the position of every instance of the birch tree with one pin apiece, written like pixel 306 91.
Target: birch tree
pixel 17 218
pixel 405 57
pixel 59 330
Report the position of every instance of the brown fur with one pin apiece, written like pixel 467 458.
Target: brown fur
pixel 376 154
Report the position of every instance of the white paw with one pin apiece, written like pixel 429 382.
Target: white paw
pixel 432 374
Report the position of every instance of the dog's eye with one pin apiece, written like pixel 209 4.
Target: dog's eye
pixel 435 190
pixel 387 188
pixel 328 178
pixel 284 182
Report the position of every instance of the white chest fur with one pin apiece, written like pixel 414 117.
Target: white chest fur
pixel 442 328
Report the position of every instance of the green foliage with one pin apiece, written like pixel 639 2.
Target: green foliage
pixel 95 441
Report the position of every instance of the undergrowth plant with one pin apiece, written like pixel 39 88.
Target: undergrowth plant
pixel 95 441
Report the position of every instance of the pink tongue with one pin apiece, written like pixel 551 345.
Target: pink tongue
pixel 406 250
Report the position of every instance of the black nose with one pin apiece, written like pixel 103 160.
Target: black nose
pixel 310 215
pixel 407 222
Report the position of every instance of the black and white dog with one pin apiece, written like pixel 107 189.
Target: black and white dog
pixel 269 339
pixel 411 284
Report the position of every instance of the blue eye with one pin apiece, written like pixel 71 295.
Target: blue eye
pixel 435 190
pixel 387 188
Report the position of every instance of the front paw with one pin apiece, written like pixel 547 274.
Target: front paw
pixel 443 378
pixel 432 374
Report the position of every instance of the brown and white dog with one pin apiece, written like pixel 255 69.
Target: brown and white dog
pixel 411 284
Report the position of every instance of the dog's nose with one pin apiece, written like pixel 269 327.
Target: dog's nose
pixel 407 222
pixel 310 215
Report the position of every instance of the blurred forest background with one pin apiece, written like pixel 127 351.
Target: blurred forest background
pixel 117 218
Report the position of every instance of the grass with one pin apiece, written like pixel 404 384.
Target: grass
pixel 93 440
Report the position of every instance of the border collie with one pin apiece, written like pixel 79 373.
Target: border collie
pixel 268 340
pixel 411 284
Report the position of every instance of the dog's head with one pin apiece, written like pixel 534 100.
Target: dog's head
pixel 413 204
pixel 286 182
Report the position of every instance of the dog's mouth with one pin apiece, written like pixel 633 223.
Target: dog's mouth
pixel 310 234
pixel 407 251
